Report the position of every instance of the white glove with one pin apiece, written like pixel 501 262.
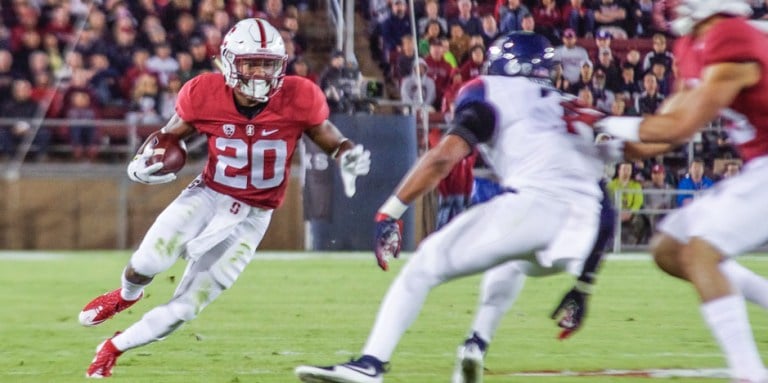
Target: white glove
pixel 354 162
pixel 138 171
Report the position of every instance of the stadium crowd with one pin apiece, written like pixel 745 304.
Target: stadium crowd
pixel 128 59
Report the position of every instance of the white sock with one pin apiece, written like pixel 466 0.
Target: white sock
pixel 130 291
pixel 727 319
pixel 499 290
pixel 753 287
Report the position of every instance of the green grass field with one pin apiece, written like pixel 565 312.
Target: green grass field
pixel 286 312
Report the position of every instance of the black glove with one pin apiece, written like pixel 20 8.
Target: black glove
pixel 572 309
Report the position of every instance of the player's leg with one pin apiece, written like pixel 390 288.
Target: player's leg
pixel 161 247
pixel 483 237
pixel 498 292
pixel 203 281
pixel 722 224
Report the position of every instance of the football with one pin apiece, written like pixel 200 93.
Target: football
pixel 170 150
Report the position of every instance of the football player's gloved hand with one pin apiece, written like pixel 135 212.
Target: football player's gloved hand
pixel 580 119
pixel 138 171
pixel 389 239
pixel 572 309
pixel 353 163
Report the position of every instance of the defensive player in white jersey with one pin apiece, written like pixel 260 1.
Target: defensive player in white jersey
pixel 253 117
pixel 549 170
pixel 722 65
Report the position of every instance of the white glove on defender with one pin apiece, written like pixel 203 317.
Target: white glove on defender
pixel 354 162
pixel 138 171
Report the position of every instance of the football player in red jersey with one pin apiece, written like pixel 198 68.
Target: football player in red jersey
pixel 253 117
pixel 722 64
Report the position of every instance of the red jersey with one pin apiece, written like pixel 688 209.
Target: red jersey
pixel 250 159
pixel 732 40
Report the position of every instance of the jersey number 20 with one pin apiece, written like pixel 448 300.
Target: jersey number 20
pixel 267 162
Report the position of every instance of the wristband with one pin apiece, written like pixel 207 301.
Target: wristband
pixel 393 207
pixel 625 128
pixel 583 287
pixel 335 152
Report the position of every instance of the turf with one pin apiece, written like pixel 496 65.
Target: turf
pixel 283 313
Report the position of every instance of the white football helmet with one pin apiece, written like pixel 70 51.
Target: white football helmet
pixel 691 12
pixel 254 43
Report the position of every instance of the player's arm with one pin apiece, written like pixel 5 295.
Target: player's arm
pixel 139 171
pixel 572 309
pixel 474 122
pixel 352 158
pixel 687 111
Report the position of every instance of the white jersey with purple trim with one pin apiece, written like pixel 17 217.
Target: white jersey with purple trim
pixel 517 124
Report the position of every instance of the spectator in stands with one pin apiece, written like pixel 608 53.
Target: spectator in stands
pixel 162 63
pixel 469 22
pixel 168 97
pixel 89 42
pixel 610 67
pixel 409 87
pixel 580 18
pixel 53 52
pixel 449 96
pixel 31 41
pixel 201 62
pixel 145 101
pixel 571 56
pixel 650 98
pixel 634 226
pixel 273 12
pixel 73 61
pixel 433 31
pixel 659 54
pixel 458 41
pixel 448 55
pixel 82 135
pixel 21 106
pixel 212 38
pixel 38 62
pixel 627 83
pixel 432 13
pixel 730 169
pixel 511 16
pixel 184 32
pixel 528 24
pixel 473 65
pixel 105 81
pixel 186 67
pixel 291 25
pixel 694 181
pixel 300 67
pixel 660 196
pixel 643 16
pixel 634 59
pixel 333 82
pixel 223 22
pixel 619 106
pixel 137 68
pixel 548 19
pixel 585 96
pixel 438 69
pixel 405 59
pixel 490 29
pixel 663 78
pixel 558 80
pixel 397 25
pixel 585 77
pixel 612 16
pixel 602 96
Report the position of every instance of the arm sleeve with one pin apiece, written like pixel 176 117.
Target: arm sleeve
pixel 604 235
pixel 475 118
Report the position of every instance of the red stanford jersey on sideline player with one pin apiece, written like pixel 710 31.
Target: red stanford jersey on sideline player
pixel 250 160
pixel 732 40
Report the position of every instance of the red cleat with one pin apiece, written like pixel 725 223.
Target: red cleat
pixel 104 361
pixel 104 307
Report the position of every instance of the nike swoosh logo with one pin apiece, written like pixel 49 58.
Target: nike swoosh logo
pixel 368 371
pixel 268 132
